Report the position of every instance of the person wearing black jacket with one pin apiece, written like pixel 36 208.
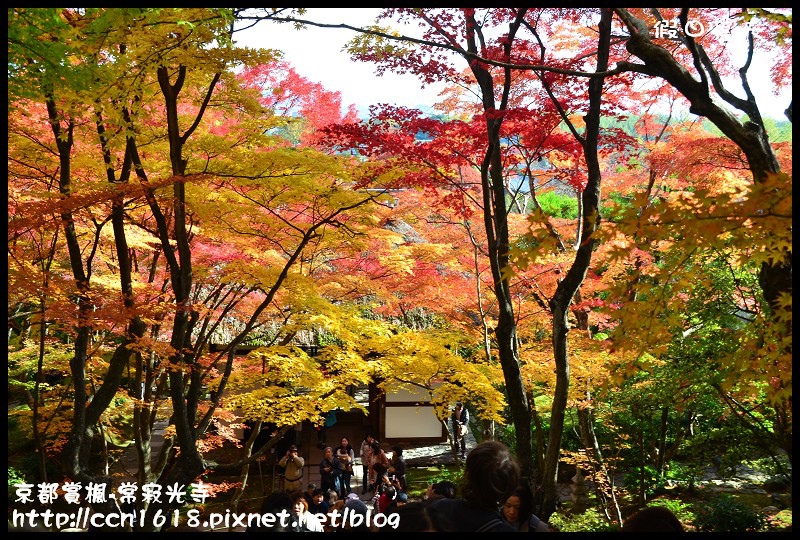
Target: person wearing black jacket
pixel 397 468
pixel 329 469
pixel 277 503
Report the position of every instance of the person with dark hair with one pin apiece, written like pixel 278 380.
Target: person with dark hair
pixel 382 483
pixel 309 493
pixel 293 465
pixel 653 519
pixel 302 520
pixel 318 505
pixel 378 458
pixel 357 508
pixel 346 457
pixel 400 499
pixel 397 468
pixel 276 503
pixel 444 489
pixel 388 496
pixel 366 461
pixel 517 510
pixel 490 475
pixel 460 421
pixel 329 470
pixel 417 517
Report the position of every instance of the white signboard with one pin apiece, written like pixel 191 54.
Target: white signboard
pixel 411 422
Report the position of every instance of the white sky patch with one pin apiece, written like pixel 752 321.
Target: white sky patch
pixel 316 54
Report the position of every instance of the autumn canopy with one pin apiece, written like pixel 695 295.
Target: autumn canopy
pixel 587 240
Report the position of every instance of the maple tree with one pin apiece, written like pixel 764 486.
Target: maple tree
pixel 169 190
pixel 443 28
pixel 697 320
pixel 66 120
pixel 427 59
pixel 727 206
pixel 750 137
pixel 227 222
pixel 706 191
pixel 170 222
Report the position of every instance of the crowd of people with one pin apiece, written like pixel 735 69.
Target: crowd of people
pixel 312 510
pixel 492 496
pixel 491 475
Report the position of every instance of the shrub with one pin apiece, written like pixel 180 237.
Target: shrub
pixel 683 511
pixel 724 514
pixel 653 482
pixel 589 521
pixel 558 205
pixel 14 477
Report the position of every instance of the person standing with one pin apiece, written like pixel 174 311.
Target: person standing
pixel 346 456
pixel 379 458
pixel 293 465
pixel 329 470
pixel 366 461
pixel 397 467
pixel 460 420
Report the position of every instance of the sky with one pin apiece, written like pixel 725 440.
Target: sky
pixel 316 54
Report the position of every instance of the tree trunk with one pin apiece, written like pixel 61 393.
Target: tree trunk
pixel 600 472
pixel 75 454
pixel 495 214
pixel 565 293
pixel 245 471
pixel 38 437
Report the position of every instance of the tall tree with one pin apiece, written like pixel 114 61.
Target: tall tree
pixel 685 64
pixel 442 30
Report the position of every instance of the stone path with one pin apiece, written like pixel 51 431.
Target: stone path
pixel 128 464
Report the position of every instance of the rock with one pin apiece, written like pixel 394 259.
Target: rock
pixel 776 484
pixel 770 510
pixel 782 500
